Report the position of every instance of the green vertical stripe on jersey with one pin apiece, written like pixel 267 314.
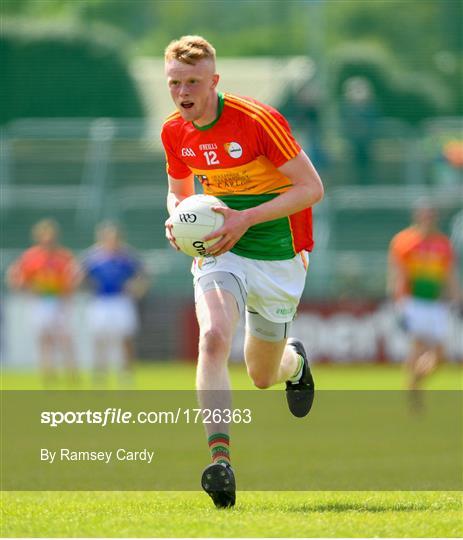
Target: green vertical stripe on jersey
pixel 269 241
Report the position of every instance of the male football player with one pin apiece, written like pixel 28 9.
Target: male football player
pixel 242 152
pixel 422 275
pixel 49 272
pixel 116 277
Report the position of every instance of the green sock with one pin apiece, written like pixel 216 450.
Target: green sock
pixel 219 445
pixel 297 374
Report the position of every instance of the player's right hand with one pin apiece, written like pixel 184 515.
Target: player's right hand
pixel 168 224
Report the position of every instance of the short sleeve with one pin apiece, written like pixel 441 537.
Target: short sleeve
pixel 85 260
pixel 25 264
pixel 278 143
pixel 175 167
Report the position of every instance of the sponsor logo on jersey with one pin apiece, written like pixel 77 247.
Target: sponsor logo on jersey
pixel 234 149
pixel 188 152
pixel 231 181
pixel 208 146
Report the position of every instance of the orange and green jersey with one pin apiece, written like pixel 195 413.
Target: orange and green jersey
pixel 236 159
pixel 46 272
pixel 425 260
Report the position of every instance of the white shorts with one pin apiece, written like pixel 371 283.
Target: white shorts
pixel 426 319
pixel 112 316
pixel 273 288
pixel 50 315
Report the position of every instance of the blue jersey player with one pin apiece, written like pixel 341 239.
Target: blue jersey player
pixel 115 275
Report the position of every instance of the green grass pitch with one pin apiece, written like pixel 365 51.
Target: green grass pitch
pixel 257 514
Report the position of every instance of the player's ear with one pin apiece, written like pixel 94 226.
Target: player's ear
pixel 215 80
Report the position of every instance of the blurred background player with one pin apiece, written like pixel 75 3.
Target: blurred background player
pixel 422 276
pixel 115 275
pixel 49 272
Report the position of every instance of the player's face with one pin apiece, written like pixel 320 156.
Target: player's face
pixel 426 218
pixel 110 239
pixel 46 236
pixel 192 88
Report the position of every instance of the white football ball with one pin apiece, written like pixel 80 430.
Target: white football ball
pixel 192 220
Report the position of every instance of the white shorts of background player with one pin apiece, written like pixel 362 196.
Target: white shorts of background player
pixel 50 315
pixel 112 316
pixel 427 320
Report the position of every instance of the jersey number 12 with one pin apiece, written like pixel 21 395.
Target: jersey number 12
pixel 211 158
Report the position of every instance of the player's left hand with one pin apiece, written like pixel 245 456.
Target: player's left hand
pixel 235 225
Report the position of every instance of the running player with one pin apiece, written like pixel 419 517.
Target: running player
pixel 49 272
pixel 243 152
pixel 116 277
pixel 422 273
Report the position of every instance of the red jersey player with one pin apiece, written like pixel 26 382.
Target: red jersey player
pixel 49 272
pixel 243 152
pixel 421 274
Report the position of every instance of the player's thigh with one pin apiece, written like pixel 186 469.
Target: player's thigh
pixel 417 347
pixel 50 318
pixel 220 298
pixel 224 273
pixel 126 318
pixel 99 317
pixel 217 310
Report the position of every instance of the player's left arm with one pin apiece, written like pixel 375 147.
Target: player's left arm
pixel 139 283
pixel 396 278
pixel 306 190
pixel 75 274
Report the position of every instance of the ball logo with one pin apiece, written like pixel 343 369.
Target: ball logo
pixel 187 218
pixel 234 149
pixel 200 248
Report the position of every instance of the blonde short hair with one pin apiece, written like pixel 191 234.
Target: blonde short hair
pixel 189 50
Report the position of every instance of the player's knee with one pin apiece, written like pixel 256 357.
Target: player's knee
pixel 260 380
pixel 213 341
pixel 262 383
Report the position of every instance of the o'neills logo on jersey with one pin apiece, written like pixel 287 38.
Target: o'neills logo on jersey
pixel 208 146
pixel 233 149
pixel 188 152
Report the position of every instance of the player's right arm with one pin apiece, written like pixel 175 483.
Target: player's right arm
pixel 16 275
pixel 179 176
pixel 179 189
pixel 391 278
pixel 396 275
